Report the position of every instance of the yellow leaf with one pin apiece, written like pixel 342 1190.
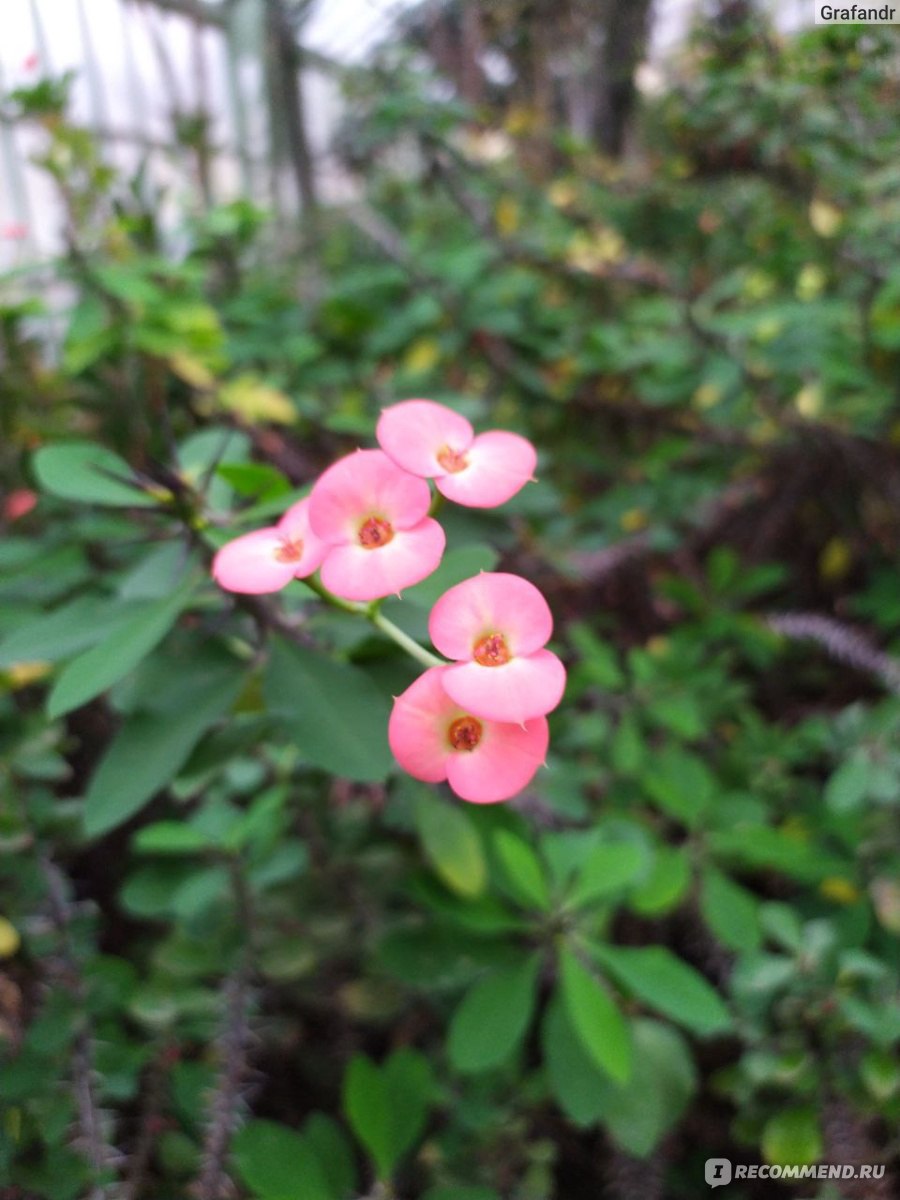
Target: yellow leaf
pixel 825 219
pixel 808 401
pixel 252 400
pixel 9 938
pixel 810 282
pixel 768 329
pixel 835 559
pixel 507 216
pixel 707 395
pixel 592 253
pixel 520 120
pixel 841 891
pixel 634 520
pixel 562 194
pixel 192 371
pixel 758 285
pixel 422 356
pixel 22 674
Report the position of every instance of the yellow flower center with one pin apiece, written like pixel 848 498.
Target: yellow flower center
pixel 453 461
pixel 290 550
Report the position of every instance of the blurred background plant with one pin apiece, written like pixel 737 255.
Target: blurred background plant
pixel 243 956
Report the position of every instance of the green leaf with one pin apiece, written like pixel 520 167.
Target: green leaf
pixel 636 1114
pixel 762 846
pixel 170 837
pixel 387 1108
pixel 523 875
pixel 90 474
pixel 628 749
pixel 335 714
pixel 334 1152
pixel 493 1018
pixel 667 984
pixel 279 1163
pixel 666 883
pixel 151 747
pixel 103 665
pixel 408 1083
pixel 599 661
pixel 730 911
pixel 67 630
pixel 609 869
pixel 681 784
pixel 579 1086
pixel 642 1112
pixel 792 1136
pixel 451 845
pixel 595 1018
pixel 679 713
pixel 849 785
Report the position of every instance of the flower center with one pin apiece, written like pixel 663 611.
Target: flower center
pixel 290 550
pixel 453 461
pixel 492 651
pixel 375 532
pixel 465 733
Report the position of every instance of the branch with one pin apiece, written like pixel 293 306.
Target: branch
pixel 234 1042
pixel 99 1153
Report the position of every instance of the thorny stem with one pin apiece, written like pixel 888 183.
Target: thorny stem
pixel 234 1042
pixel 99 1154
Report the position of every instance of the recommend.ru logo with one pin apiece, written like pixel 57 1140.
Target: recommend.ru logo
pixel 717 1171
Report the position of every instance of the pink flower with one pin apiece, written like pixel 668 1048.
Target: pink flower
pixel 19 503
pixel 374 518
pixel 483 760
pixel 435 442
pixel 31 62
pixel 495 626
pixel 267 560
pixel 15 231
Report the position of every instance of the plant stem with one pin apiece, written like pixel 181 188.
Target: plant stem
pixel 372 612
pixel 412 647
pixel 323 593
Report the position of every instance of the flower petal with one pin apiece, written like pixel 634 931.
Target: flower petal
pixel 524 688
pixel 356 573
pixel 295 526
pixel 417 730
pixel 492 602
pixel 414 431
pixel 499 465
pixel 504 762
pixel 248 564
pixel 361 485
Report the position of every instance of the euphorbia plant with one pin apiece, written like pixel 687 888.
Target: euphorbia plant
pixel 478 721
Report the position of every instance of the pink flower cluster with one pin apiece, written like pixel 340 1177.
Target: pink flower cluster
pixel 478 721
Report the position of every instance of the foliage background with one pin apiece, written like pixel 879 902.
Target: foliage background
pixel 242 956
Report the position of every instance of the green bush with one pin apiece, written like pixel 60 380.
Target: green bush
pixel 239 943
